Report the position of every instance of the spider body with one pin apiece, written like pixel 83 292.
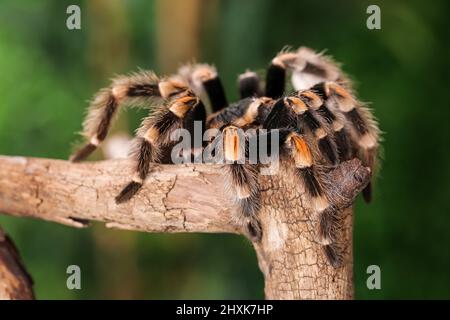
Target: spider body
pixel 316 127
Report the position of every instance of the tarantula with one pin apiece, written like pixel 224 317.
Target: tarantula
pixel 318 125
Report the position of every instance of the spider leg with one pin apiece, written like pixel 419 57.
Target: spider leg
pixel 327 126
pixel 321 73
pixel 310 175
pixel 205 81
pixel 361 125
pixel 336 120
pixel 334 254
pixel 140 89
pixel 243 179
pixel 308 68
pixel 280 117
pixel 276 74
pixel 154 137
pixel 249 85
pixel 311 68
pixel 292 112
pixel 297 147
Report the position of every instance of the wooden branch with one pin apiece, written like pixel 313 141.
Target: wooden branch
pixel 191 198
pixel 15 283
pixel 175 198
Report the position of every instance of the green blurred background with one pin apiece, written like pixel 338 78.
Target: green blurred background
pixel 48 72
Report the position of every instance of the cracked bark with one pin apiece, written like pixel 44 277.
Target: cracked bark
pixel 191 198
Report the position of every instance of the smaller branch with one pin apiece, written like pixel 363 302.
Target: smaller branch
pixel 15 282
pixel 175 198
pixel 346 181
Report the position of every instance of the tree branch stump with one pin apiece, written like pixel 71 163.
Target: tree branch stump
pixel 15 282
pixel 191 198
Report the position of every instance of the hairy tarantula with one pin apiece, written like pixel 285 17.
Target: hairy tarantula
pixel 318 126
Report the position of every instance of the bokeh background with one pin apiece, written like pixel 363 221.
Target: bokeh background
pixel 47 73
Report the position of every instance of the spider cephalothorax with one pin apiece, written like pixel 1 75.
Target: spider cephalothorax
pixel 316 126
